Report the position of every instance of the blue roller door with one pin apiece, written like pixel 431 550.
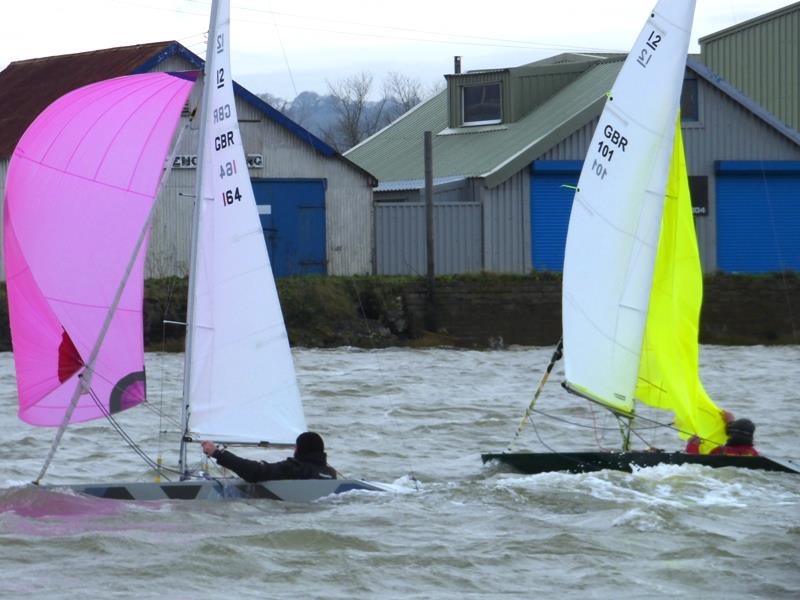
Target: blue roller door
pixel 758 216
pixel 292 215
pixel 551 203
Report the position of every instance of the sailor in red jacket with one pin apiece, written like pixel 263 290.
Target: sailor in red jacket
pixel 740 440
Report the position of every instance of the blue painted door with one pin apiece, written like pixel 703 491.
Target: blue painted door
pixel 551 204
pixel 758 216
pixel 292 213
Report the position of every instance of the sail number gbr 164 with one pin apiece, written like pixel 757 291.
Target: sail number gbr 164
pixel 613 141
pixel 228 196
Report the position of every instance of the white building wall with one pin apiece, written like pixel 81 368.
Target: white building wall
pixel 348 199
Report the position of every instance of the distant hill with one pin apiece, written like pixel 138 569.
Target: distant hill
pixel 321 115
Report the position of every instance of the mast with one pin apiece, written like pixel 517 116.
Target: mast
pixel 190 315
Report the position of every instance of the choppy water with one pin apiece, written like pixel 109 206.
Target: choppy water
pixel 419 419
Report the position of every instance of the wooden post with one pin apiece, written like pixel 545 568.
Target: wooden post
pixel 431 312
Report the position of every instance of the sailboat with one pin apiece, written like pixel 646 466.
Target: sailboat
pixel 81 190
pixel 632 281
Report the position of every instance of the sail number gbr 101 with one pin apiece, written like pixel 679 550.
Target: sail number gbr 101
pixel 613 141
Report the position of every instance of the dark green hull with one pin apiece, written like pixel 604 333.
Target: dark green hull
pixel 584 462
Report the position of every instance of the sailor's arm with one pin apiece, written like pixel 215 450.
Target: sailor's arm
pixel 249 470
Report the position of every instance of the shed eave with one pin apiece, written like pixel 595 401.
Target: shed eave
pixel 542 144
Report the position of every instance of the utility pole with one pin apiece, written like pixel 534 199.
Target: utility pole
pixel 431 312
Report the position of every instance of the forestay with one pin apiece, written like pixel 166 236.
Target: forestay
pixel 240 378
pixel 616 215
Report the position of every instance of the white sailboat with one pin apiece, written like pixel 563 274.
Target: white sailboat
pixel 632 282
pixel 76 330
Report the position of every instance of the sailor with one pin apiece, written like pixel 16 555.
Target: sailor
pixel 740 440
pixel 309 461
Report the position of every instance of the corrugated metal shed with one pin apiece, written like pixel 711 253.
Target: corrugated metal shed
pixel 288 151
pixel 45 79
pixel 415 184
pixel 761 57
pixel 495 159
pixel 492 152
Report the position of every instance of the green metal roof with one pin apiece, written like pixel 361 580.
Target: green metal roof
pixel 493 152
pixel 745 25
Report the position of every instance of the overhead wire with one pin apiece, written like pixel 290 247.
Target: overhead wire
pixel 455 38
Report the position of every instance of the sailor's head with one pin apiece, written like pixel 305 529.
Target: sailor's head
pixel 308 442
pixel 740 432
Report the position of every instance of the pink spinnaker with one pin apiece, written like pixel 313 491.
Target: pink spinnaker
pixel 80 186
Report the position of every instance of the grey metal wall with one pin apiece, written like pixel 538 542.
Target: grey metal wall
pixel 401 238
pixel 348 199
pixel 763 60
pixel 506 225
pixel 726 131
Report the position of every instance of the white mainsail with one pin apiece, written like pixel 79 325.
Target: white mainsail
pixel 616 214
pixel 240 378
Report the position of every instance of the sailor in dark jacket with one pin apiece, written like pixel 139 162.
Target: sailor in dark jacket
pixel 309 462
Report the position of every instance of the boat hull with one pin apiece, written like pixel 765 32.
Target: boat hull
pixel 584 462
pixel 295 490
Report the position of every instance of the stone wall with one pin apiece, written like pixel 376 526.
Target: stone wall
pixel 471 311
pixel 495 310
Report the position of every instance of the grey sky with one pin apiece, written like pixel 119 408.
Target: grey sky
pixel 284 47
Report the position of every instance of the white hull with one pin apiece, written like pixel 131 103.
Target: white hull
pixel 295 490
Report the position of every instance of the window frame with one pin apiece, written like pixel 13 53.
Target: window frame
pixel 696 121
pixel 497 121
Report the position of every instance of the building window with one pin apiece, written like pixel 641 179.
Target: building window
pixel 482 104
pixel 690 101
pixel 698 189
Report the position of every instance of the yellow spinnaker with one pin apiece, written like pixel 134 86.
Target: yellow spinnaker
pixel 669 376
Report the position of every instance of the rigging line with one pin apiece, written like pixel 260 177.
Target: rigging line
pixel 596 428
pixel 557 354
pixel 636 433
pixel 363 311
pixel 285 55
pixel 161 412
pixel 283 48
pixel 593 426
pixel 778 252
pixel 127 438
pixel 577 461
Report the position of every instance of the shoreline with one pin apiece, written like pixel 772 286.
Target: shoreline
pixel 471 311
